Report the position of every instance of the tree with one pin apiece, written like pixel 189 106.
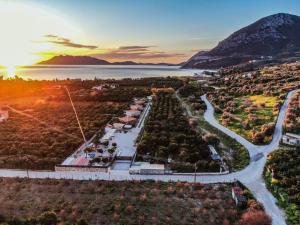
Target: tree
pixel 211 139
pixel 258 137
pixel 82 222
pixel 48 218
pixel 255 218
pixel 268 129
pixel 111 151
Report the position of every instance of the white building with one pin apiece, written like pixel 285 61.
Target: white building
pixel 291 139
pixel 132 113
pixel 136 107
pixel 146 168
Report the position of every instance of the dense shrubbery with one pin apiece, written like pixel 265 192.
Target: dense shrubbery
pixel 292 118
pixel 124 202
pixel 233 153
pixel 168 135
pixel 283 179
pixel 26 143
pixel 194 89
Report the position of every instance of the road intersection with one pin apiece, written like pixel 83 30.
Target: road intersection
pixel 251 176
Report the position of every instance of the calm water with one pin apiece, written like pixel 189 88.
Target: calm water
pixel 105 72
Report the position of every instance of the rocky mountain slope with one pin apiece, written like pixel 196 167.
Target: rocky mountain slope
pixel 271 37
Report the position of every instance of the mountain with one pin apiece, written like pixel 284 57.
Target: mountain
pixel 74 60
pixel 271 37
pixel 88 60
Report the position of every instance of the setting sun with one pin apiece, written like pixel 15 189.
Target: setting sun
pixel 22 29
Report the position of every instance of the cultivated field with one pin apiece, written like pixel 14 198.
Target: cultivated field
pixel 253 117
pixel 168 137
pixel 130 203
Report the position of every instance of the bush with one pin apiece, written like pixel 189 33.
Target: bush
pixel 255 218
pixel 48 218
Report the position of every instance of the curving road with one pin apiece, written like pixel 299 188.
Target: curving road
pixel 251 176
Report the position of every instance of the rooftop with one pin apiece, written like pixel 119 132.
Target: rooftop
pixel 292 135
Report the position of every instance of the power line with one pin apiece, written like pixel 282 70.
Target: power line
pixel 77 118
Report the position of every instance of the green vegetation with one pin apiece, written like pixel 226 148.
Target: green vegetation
pixel 51 202
pixel 168 135
pixel 282 178
pixel 192 88
pixel 292 118
pixel 252 117
pixel 233 153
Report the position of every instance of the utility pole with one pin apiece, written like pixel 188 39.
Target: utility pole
pixel 77 118
pixel 195 175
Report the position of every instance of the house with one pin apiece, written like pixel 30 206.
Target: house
pixel 139 102
pixel 147 168
pixel 291 139
pixel 128 120
pixel 103 87
pixel 136 107
pixel 149 98
pixel 238 197
pixel 132 113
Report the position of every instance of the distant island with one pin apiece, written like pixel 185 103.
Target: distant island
pixel 88 60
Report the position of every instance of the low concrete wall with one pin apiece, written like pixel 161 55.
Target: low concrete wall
pixel 129 158
pixel 81 168
pixel 202 174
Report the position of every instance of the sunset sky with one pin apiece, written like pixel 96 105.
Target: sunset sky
pixel 119 30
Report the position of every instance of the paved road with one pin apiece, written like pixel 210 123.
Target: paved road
pixel 251 176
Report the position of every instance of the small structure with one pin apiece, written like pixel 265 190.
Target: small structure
pixel 136 107
pixel 132 113
pixel 291 139
pixel 139 102
pixel 238 197
pixel 128 120
pixel 146 168
pixel 3 115
pixel 118 126
pixel 127 127
pixel 103 87
pixel 213 153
